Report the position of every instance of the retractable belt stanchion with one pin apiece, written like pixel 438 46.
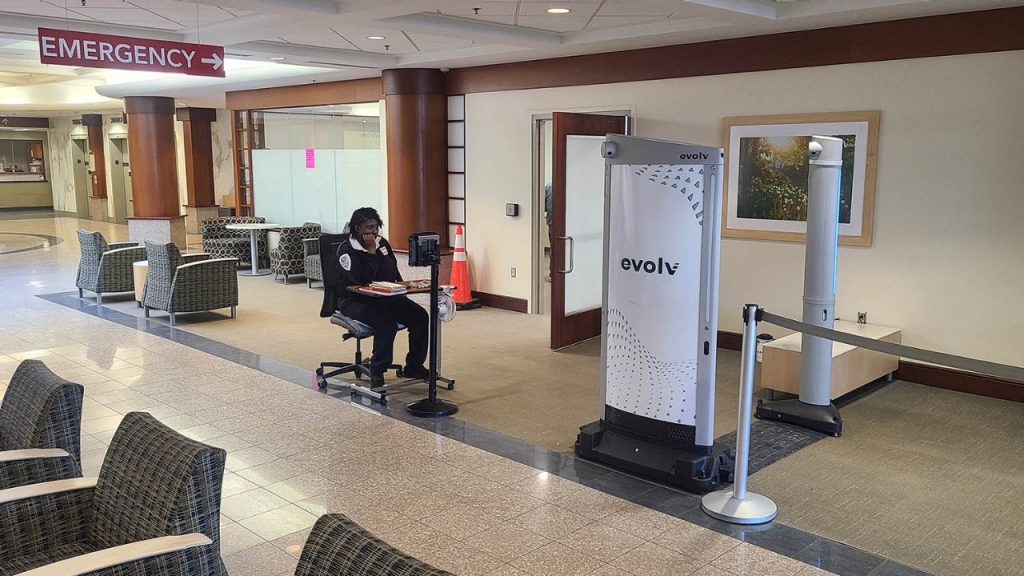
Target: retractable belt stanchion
pixel 424 249
pixel 736 505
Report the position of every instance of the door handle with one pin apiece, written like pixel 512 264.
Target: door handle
pixel 571 253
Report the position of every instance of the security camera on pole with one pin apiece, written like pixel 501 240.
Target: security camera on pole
pixel 814 409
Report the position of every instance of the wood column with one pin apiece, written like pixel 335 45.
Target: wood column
pixel 98 171
pixel 198 154
pixel 154 166
pixel 417 140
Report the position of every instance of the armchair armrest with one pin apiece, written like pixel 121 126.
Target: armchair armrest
pixel 31 454
pixel 119 245
pixel 45 488
pixel 119 555
pixel 195 257
pixel 124 256
pixel 310 246
pixel 32 466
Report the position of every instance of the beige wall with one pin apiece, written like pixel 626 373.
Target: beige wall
pixel 947 261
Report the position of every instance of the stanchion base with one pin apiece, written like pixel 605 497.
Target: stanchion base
pixel 469 304
pixel 436 409
pixel 755 509
pixel 824 419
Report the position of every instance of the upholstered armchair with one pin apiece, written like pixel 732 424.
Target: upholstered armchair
pixel 40 427
pixel 106 267
pixel 154 509
pixel 289 256
pixel 220 242
pixel 189 283
pixel 311 261
pixel 337 545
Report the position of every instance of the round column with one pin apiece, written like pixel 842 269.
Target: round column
pixel 153 157
pixel 416 105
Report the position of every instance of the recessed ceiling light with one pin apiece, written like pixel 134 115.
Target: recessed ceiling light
pixel 376 37
pixel 277 58
pixel 558 10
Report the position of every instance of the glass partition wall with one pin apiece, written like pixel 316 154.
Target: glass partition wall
pixel 311 164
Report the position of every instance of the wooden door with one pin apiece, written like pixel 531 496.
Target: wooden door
pixel 577 186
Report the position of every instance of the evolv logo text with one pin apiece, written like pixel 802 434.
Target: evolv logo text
pixel 650 266
pixel 694 156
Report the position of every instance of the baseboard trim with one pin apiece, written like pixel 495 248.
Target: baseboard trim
pixel 934 376
pixel 503 302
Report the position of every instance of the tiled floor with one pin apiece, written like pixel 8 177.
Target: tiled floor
pixel 454 494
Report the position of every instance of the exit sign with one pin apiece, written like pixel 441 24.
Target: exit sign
pixel 69 48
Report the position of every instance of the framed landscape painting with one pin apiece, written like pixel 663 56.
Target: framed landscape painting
pixel 766 174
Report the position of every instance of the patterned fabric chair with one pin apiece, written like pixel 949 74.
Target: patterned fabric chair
pixel 311 260
pixel 189 283
pixel 337 545
pixel 157 500
pixel 219 242
pixel 40 427
pixel 288 257
pixel 106 267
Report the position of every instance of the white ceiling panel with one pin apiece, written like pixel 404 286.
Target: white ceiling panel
pixel 431 43
pixel 640 8
pixel 540 9
pixel 564 23
pixel 131 16
pixel 616 21
pixel 185 14
pixel 33 8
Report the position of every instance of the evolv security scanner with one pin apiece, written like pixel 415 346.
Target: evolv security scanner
pixel 660 312
pixel 815 409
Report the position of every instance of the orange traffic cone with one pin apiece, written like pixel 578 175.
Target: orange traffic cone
pixel 460 274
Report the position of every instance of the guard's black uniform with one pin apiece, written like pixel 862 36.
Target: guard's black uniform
pixel 356 266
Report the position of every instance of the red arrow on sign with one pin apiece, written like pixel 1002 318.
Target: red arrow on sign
pixel 85 49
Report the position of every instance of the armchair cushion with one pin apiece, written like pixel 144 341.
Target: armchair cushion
pixel 337 545
pixel 40 410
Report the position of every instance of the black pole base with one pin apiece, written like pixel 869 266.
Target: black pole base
pixel 824 419
pixel 436 408
pixel 468 305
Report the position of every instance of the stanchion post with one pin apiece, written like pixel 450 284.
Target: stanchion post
pixel 735 504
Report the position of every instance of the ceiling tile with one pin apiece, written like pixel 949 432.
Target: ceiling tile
pixel 600 22
pixel 640 8
pixel 33 8
pixel 579 9
pixel 564 23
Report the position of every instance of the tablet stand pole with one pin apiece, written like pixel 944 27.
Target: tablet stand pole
pixel 432 406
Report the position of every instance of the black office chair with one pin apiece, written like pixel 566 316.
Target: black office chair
pixel 353 328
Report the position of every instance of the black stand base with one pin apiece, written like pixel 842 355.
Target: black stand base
pixel 436 408
pixel 698 472
pixel 824 419
pixel 471 304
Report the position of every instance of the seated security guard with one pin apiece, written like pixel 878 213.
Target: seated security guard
pixel 365 258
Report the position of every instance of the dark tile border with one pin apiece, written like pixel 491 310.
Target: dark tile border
pixel 777 537
pixel 53 240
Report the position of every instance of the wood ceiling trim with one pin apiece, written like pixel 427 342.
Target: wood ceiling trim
pixel 318 94
pixel 947 35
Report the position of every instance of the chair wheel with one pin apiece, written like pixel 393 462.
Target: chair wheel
pixel 451 386
pixel 321 382
pixel 384 401
pixel 398 372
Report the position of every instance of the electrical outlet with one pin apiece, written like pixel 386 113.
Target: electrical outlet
pixel 513 271
pixel 862 317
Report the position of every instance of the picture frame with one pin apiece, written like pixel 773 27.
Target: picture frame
pixel 765 186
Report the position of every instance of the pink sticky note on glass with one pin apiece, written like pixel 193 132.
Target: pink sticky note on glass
pixel 310 158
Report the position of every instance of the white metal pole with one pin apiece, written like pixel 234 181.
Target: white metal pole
pixel 737 505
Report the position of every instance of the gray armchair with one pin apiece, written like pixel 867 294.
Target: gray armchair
pixel 155 509
pixel 40 427
pixel 311 260
pixel 220 242
pixel 189 283
pixel 106 267
pixel 289 255
pixel 337 545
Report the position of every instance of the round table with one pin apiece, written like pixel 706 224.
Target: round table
pixel 253 229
